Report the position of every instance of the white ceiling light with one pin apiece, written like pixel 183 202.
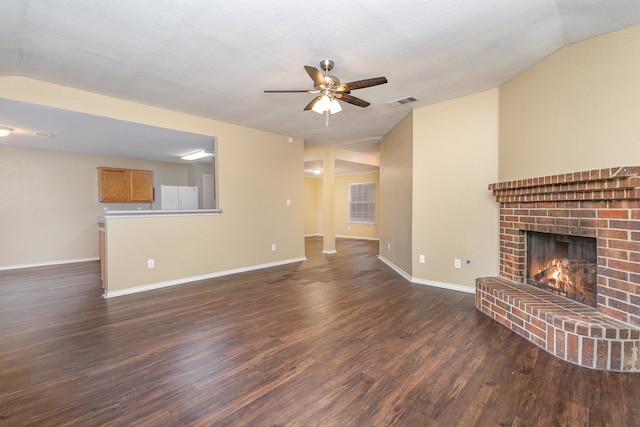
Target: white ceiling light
pixel 327 103
pixel 335 107
pixel 4 131
pixel 324 104
pixel 197 155
pixel 317 108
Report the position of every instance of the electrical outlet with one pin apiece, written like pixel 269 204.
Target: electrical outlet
pixel 288 202
pixel 388 246
pixel 151 263
pixel 421 259
pixel 273 247
pixel 457 263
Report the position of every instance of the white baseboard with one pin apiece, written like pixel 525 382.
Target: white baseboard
pixel 47 263
pixel 417 281
pixel 395 268
pixel 160 285
pixel 450 286
pixel 340 236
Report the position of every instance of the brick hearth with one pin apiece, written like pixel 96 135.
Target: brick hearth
pixel 604 204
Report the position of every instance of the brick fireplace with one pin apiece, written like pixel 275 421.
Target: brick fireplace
pixel 602 204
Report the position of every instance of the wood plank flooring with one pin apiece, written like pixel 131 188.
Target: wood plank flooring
pixel 338 340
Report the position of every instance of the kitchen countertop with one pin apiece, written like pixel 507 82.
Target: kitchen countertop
pixel 156 212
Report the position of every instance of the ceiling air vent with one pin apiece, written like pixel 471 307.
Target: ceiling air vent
pixel 402 101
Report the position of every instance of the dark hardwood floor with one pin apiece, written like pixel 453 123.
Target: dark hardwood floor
pixel 339 340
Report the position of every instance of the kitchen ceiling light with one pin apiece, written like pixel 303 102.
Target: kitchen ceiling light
pixel 4 131
pixel 197 155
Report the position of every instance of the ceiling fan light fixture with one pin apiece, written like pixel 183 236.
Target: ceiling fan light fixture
pixel 324 104
pixel 197 155
pixel 335 107
pixel 327 103
pixel 317 108
pixel 329 90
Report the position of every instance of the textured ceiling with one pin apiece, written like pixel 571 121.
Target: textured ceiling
pixel 214 59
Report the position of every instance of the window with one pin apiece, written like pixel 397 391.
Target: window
pixel 362 203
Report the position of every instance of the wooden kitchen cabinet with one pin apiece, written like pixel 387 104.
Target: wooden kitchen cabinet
pixel 125 185
pixel 141 186
pixel 113 185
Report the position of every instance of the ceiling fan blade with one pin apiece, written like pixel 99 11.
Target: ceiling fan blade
pixel 290 91
pixel 359 84
pixel 312 103
pixel 316 75
pixel 352 100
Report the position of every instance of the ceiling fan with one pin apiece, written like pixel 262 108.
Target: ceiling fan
pixel 330 90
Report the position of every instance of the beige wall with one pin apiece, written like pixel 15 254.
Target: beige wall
pixel 396 183
pixel 312 206
pixel 578 109
pixel 455 157
pixel 254 217
pixel 49 202
pixel 255 214
pixel 343 227
pixel 194 177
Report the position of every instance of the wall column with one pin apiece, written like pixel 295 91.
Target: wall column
pixel 328 202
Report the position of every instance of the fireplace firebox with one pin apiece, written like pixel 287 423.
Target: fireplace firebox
pixel 564 265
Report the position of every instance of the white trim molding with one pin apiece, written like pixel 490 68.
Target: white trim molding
pixel 341 236
pixel 418 281
pixel 48 263
pixel 160 285
pixel 450 286
pixel 395 268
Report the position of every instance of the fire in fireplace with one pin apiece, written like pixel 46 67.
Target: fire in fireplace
pixel 564 265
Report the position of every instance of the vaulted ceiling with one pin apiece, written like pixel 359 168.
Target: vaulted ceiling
pixel 215 59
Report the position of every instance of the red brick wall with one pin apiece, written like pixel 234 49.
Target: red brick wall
pixel 604 204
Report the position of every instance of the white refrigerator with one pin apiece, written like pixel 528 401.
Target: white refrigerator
pixel 176 197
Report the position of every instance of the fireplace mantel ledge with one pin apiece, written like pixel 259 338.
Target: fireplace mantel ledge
pixel 618 183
